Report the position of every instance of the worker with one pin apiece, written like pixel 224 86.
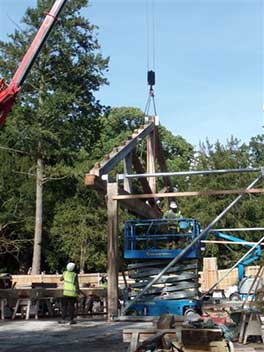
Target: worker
pixel 173 226
pixel 70 293
pixel 172 213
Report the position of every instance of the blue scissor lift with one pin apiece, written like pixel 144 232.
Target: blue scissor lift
pixel 150 245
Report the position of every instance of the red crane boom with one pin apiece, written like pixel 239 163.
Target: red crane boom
pixel 8 92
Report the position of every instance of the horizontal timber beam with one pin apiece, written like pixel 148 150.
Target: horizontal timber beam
pixel 188 194
pixel 135 206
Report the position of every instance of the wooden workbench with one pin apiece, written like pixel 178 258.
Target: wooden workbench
pixel 135 336
pixel 31 297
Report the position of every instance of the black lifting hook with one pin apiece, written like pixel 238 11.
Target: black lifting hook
pixel 151 78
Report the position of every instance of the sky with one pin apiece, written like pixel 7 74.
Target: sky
pixel 208 61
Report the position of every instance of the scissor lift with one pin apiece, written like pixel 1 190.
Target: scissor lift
pixel 152 244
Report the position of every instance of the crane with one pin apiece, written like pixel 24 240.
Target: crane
pixel 8 92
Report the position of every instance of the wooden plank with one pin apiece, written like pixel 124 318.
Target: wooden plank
pixel 151 156
pixel 188 194
pixel 112 251
pixel 27 280
pixel 145 333
pixel 210 272
pixel 144 182
pixel 133 342
pixel 121 152
pixel 162 161
pixel 136 318
pixel 128 170
pixel 139 169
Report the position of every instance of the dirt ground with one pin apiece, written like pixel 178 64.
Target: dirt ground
pixel 49 336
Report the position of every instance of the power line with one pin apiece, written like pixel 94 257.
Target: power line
pixel 153 34
pixel 151 60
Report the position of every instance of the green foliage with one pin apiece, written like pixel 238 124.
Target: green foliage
pixel 78 234
pixel 56 102
pixel 117 125
pixel 248 212
pixel 58 118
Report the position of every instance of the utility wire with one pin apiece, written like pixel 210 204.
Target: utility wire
pixel 147 33
pixel 153 34
pixel 151 62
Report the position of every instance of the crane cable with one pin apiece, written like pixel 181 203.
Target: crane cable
pixel 150 24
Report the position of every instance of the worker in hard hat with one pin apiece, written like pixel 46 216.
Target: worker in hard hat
pixel 173 226
pixel 70 293
pixel 173 212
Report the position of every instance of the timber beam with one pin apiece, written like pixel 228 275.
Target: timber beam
pixel 188 194
pixel 119 153
pixel 162 161
pixel 144 182
pixel 136 206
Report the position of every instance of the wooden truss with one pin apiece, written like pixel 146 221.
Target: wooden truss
pixel 126 153
pixel 99 174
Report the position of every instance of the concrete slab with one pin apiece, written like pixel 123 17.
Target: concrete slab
pixel 87 335
pixel 49 336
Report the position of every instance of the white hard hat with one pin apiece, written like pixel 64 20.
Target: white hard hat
pixel 70 266
pixel 173 205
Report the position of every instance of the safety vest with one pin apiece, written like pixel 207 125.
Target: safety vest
pixel 169 214
pixel 70 288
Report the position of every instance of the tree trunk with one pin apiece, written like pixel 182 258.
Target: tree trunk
pixel 36 262
pixel 83 256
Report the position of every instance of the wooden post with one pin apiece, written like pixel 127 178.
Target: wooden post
pixel 128 170
pixel 112 251
pixel 151 149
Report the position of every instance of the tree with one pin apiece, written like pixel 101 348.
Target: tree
pixel 57 113
pixel 16 188
pixel 78 233
pixel 117 124
pixel 247 213
pixel 256 150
